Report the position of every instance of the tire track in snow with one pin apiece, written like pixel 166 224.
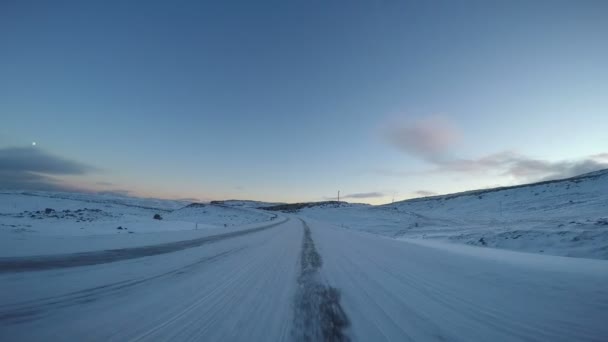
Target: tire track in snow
pixel 35 309
pixel 318 314
pixel 47 262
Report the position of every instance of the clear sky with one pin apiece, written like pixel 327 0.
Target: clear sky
pixel 295 100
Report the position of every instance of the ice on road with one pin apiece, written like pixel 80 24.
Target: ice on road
pixel 307 280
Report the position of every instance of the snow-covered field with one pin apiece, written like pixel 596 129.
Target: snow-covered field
pixel 33 223
pixel 566 218
pixel 100 267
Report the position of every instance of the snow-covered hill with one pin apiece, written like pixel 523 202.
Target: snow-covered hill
pixel 566 217
pixel 36 197
pixel 54 222
pixel 297 207
pixel 246 203
pixel 216 214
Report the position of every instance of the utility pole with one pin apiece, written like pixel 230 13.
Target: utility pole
pixel 338 195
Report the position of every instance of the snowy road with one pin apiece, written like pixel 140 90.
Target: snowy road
pixel 398 291
pixel 36 263
pixel 311 281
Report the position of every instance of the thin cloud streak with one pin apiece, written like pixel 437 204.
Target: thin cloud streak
pixel 424 193
pixel 103 183
pixel 365 195
pixel 360 195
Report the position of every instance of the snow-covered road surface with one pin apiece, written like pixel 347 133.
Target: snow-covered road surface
pixel 233 289
pixel 396 291
pixel 45 262
pixel 311 281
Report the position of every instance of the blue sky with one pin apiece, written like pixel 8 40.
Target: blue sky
pixel 292 101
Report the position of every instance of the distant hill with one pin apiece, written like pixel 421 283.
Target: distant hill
pixel 295 207
pixel 246 203
pixel 219 214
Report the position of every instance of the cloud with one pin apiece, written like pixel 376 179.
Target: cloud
pixel 524 168
pixel 103 183
pixel 116 192
pixel 10 180
pixel 31 168
pixel 365 195
pixel 511 164
pixel 360 195
pixel 429 139
pixel 33 159
pixel 424 193
pixel 188 199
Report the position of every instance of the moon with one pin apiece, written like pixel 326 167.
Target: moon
pixel 33 143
